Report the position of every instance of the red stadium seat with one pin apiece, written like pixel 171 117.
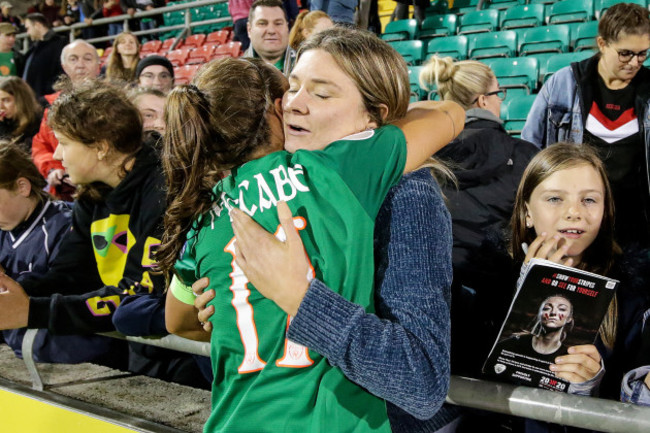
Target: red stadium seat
pixel 179 57
pixel 194 40
pixel 231 49
pixel 184 74
pixel 201 54
pixel 150 47
pixel 219 38
pixel 168 44
pixel 107 52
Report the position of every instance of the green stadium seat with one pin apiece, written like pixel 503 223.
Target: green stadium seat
pixel 412 51
pixel 505 4
pixel 439 25
pixel 567 11
pixel 417 92
pixel 516 73
pixel 586 36
pixel 559 61
pixel 523 16
pixel 495 44
pixel 462 7
pixel 543 2
pixel 600 6
pixel 479 21
pixel 437 7
pixel 401 30
pixel 514 113
pixel 452 46
pixel 545 39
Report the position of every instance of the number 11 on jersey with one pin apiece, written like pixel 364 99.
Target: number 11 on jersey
pixel 295 355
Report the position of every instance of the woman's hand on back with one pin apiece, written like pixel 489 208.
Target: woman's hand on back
pixel 278 270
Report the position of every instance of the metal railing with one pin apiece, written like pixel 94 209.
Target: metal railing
pixel 185 29
pixel 534 403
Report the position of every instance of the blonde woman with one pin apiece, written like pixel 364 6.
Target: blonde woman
pixel 306 24
pixel 124 58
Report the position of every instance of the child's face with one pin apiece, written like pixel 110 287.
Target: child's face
pixel 15 207
pixel 569 203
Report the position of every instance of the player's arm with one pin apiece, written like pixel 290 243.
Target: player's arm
pixel 428 126
pixel 181 316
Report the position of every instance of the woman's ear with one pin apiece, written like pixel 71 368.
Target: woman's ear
pixel 529 219
pixel 277 105
pixel 102 150
pixel 23 187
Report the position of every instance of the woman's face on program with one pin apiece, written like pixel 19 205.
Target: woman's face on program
pixel 556 312
pixel 322 105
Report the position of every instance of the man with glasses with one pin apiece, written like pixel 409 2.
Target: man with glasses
pixel 605 101
pixel 155 72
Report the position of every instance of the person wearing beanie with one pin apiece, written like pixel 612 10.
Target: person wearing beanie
pixel 155 72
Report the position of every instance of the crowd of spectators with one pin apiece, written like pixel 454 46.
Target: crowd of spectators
pixel 54 96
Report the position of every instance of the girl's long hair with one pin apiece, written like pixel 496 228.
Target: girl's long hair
pixel 600 256
pixel 27 108
pixel 115 69
pixel 214 124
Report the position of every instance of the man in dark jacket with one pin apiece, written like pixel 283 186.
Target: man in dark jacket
pixel 43 60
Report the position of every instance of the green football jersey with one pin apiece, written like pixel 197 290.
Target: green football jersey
pixel 262 381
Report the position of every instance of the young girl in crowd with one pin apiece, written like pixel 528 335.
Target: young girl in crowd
pixel 262 369
pixel 32 227
pixel 116 225
pixel 306 24
pixel 564 212
pixel 124 58
pixel 20 113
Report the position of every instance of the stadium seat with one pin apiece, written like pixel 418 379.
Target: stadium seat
pixel 452 46
pixel 401 30
pixel 150 47
pixel 417 92
pixel 479 21
pixel 567 11
pixel 105 54
pixel 461 7
pixel 559 61
pixel 586 36
pixel 174 18
pixel 166 46
pixel 218 37
pixel 184 74
pixel 412 51
pixel 179 57
pixel 194 41
pixel 229 49
pixel 200 55
pixel 523 16
pixel 600 6
pixel 545 39
pixel 495 44
pixel 514 113
pixel 505 4
pixel 517 74
pixel 438 25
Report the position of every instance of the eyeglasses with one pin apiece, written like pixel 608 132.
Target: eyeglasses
pixel 626 56
pixel 501 94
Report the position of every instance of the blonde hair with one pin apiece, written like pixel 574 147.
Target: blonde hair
pixel 115 69
pixel 461 82
pixel 306 20
pixel 378 71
